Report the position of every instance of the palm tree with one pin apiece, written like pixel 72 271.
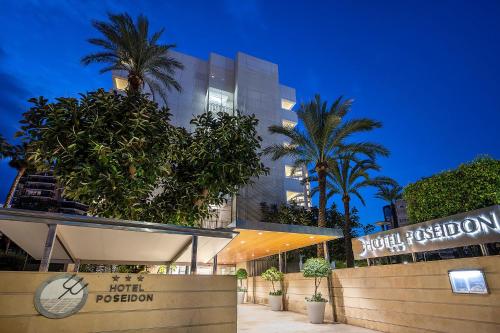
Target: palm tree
pixel 5 147
pixel 347 176
pixel 323 137
pixel 390 193
pixel 18 161
pixel 128 47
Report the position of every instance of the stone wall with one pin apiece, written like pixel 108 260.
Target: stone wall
pixel 182 303
pixel 401 298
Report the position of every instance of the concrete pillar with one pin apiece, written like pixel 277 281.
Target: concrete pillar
pixel 413 257
pixel 49 246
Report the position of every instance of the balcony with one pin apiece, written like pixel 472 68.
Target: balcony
pixel 215 108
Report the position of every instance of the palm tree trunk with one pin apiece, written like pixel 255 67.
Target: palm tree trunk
pixel 13 187
pixel 321 170
pixel 395 222
pixel 349 256
pixel 134 83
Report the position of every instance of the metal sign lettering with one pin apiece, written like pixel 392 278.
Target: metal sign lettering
pixel 471 228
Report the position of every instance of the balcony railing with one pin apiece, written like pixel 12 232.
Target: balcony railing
pixel 212 107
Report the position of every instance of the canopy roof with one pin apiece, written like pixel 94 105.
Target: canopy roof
pixel 260 239
pixel 103 240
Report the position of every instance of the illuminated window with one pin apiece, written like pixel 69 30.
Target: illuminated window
pixel 287 104
pixel 220 100
pixel 288 123
pixel 291 173
pixel 296 197
pixel 120 83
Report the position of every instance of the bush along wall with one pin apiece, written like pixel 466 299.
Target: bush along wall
pixel 471 186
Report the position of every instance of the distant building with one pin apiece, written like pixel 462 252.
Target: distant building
pixel 251 86
pixel 39 191
pixel 400 212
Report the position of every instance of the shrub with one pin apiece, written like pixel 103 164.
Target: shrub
pixel 241 274
pixel 316 268
pixel 273 275
pixel 471 186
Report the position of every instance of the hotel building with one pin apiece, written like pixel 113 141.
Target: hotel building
pixel 252 86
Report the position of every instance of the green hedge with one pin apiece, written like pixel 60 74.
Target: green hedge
pixel 471 186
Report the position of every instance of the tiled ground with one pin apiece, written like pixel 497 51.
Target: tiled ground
pixel 260 319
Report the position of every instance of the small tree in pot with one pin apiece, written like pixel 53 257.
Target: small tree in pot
pixel 275 296
pixel 316 268
pixel 241 274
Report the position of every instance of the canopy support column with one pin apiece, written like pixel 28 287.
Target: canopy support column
pixel 49 246
pixel 214 267
pixel 194 254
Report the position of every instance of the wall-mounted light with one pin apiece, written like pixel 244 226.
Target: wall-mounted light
pixel 468 281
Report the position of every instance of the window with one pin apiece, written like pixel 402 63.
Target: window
pixel 120 83
pixel 220 100
pixel 288 123
pixel 297 197
pixel 291 173
pixel 287 104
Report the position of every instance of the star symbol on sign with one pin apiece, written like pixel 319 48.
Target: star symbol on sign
pixel 140 278
pixel 128 277
pixel 115 278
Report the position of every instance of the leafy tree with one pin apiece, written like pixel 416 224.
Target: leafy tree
pixel 216 160
pixel 322 136
pixel 128 46
pixel 241 274
pixel 472 185
pixel 390 193
pixel 317 268
pixel 106 150
pixel 119 155
pixel 273 275
pixel 347 176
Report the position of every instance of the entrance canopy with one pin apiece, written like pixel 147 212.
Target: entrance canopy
pixel 260 239
pixel 89 239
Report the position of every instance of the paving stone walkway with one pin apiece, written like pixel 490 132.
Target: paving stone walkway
pixel 260 319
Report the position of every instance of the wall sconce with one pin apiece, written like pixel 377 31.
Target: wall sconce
pixel 468 281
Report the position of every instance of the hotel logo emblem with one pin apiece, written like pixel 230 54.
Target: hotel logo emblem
pixel 61 296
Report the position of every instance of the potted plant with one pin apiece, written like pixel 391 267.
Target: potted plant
pixel 316 268
pixel 275 296
pixel 241 274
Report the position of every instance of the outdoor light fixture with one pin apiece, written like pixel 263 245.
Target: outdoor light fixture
pixel 468 281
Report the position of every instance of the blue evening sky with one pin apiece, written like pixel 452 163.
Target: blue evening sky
pixel 429 70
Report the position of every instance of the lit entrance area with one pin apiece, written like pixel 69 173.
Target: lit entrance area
pixel 254 318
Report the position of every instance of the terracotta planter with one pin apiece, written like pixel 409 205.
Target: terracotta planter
pixel 241 297
pixel 316 312
pixel 275 302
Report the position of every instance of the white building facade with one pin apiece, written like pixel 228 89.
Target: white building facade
pixel 251 86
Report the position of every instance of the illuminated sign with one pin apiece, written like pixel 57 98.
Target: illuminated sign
pixel 471 228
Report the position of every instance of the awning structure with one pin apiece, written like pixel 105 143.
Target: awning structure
pixel 259 239
pixel 86 239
